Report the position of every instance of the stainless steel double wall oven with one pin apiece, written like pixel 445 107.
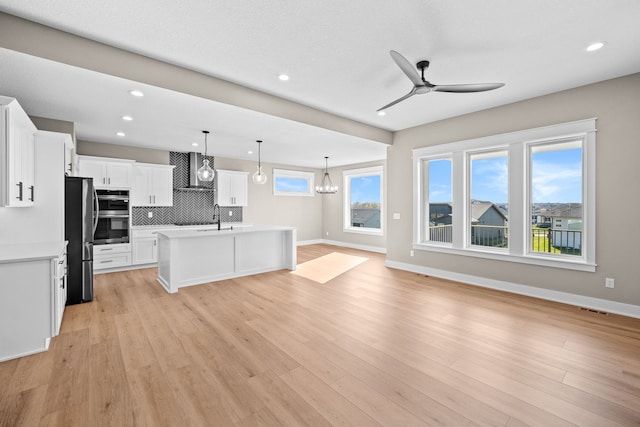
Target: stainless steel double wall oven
pixel 113 215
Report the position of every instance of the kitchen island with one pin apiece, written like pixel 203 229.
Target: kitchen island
pixel 196 256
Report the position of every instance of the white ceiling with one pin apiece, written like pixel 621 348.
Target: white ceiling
pixel 337 54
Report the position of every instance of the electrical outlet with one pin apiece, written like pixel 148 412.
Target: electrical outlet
pixel 230 213
pixel 609 282
pixel 327 233
pixel 411 253
pixel 396 215
pixel 150 214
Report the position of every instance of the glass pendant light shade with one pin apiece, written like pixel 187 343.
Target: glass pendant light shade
pixel 259 177
pixel 326 186
pixel 206 173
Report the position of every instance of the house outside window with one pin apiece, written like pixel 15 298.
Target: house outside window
pixel 363 200
pixel 437 176
pixel 526 196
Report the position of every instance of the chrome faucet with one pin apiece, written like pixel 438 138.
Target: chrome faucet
pixel 214 214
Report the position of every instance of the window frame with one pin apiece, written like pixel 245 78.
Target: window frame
pixel 288 173
pixel 519 164
pixel 346 212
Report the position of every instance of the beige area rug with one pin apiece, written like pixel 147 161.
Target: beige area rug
pixel 327 267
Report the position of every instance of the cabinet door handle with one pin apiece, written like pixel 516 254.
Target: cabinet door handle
pixel 19 191
pixel 104 180
pixel 109 181
pixel 32 195
pixel 105 249
pixel 106 261
pixel 155 243
pixel 149 199
pixel 154 199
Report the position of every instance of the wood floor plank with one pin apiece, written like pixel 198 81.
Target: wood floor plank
pixel 372 346
pixel 373 403
pixel 332 406
pixel 285 403
pixel 425 408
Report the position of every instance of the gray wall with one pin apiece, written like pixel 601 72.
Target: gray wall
pixel 616 104
pixel 332 217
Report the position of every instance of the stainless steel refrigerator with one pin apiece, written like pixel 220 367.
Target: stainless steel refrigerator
pixel 80 221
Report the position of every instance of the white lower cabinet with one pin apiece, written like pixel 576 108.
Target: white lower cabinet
pixel 145 246
pixel 33 293
pixel 60 291
pixel 111 256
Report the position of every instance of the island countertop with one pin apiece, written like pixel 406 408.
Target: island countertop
pixel 210 231
pixel 195 256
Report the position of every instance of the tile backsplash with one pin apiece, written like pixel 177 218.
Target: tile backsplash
pixel 188 206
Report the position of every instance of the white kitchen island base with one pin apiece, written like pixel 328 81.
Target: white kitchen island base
pixel 192 257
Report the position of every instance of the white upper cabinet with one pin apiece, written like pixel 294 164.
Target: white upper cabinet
pixel 107 173
pixel 153 185
pixel 17 179
pixel 232 188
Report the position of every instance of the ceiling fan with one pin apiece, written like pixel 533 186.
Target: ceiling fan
pixel 420 85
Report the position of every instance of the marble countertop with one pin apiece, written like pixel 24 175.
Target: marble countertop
pixel 225 231
pixel 20 252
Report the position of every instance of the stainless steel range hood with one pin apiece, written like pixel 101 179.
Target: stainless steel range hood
pixel 195 161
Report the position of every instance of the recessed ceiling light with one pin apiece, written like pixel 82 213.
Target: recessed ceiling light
pixel 195 144
pixel 595 46
pixel 136 93
pixel 249 152
pixel 283 77
pixel 127 118
pixel 382 113
pixel 121 134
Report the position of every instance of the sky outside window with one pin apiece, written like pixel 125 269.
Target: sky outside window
pixel 365 189
pixel 298 185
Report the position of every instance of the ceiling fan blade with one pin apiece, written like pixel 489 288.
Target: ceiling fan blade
pixel 406 67
pixel 413 92
pixel 475 87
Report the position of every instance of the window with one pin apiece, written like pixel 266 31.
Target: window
pixel 438 200
pixel 526 196
pixel 363 200
pixel 292 183
pixel 555 198
pixel 487 215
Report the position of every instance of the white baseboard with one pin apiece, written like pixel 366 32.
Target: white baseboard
pixel 546 294
pixel 356 246
pixel 309 242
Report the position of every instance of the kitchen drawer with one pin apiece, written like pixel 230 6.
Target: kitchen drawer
pixel 119 248
pixel 111 261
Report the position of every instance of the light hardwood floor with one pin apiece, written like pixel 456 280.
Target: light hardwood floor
pixel 374 346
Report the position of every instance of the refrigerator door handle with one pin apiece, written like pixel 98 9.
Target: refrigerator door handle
pixel 97 212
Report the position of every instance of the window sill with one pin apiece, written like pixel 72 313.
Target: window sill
pixel 362 230
pixel 542 261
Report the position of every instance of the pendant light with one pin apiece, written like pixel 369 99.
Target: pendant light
pixel 205 173
pixel 326 186
pixel 259 177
